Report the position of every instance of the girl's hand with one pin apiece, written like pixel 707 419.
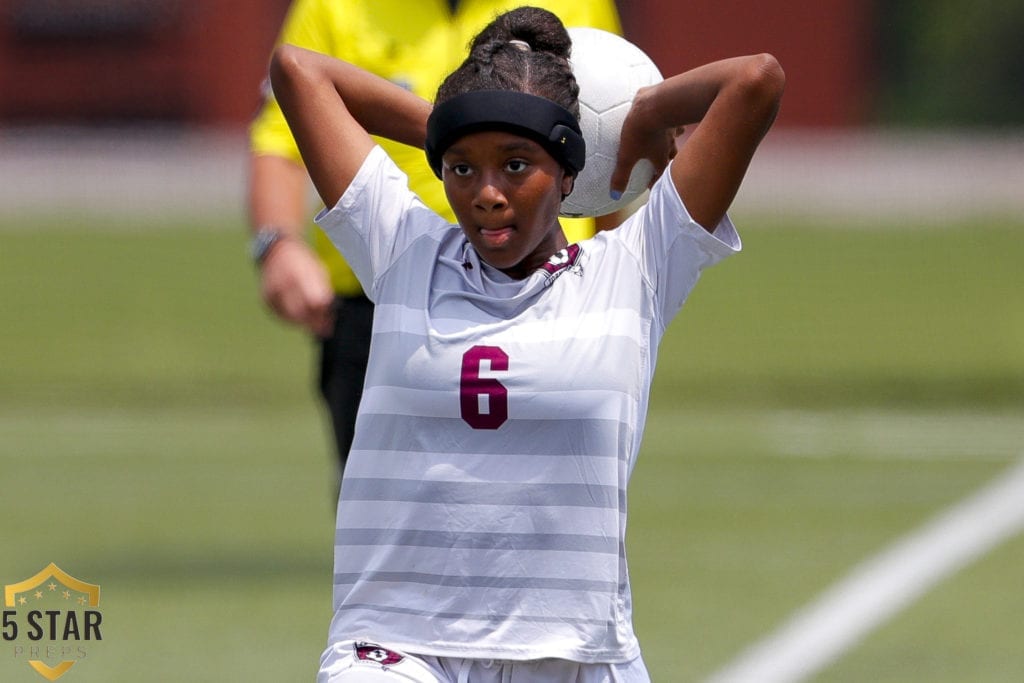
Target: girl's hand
pixel 733 102
pixel 639 140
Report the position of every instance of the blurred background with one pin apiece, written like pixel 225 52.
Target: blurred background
pixel 890 99
pixel 890 63
pixel 855 374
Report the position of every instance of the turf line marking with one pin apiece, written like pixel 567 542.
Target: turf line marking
pixel 880 587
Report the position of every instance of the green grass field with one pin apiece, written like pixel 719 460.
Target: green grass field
pixel 821 395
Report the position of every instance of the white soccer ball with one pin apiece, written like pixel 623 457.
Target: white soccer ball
pixel 609 70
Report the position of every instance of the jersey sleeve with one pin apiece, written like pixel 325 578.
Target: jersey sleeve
pixel 672 248
pixel 376 219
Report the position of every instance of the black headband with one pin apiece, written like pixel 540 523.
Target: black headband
pixel 531 116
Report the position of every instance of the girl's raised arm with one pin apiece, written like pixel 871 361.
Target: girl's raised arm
pixel 733 101
pixel 332 107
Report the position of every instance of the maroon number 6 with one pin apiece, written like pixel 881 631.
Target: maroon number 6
pixel 484 400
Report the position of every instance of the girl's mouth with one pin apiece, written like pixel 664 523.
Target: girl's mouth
pixel 497 236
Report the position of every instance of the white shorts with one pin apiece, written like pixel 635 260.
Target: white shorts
pixel 360 662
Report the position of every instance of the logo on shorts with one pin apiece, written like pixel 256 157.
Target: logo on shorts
pixel 50 620
pixel 370 652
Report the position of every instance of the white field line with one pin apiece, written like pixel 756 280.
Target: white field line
pixel 883 585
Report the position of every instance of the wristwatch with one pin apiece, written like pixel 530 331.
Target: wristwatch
pixel 262 242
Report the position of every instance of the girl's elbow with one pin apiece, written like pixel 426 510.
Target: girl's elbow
pixel 285 64
pixel 765 78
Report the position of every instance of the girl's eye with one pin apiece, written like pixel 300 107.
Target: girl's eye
pixel 516 165
pixel 460 169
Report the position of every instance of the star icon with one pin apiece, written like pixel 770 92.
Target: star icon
pixel 67 595
pixel 52 586
pixel 22 600
pixel 39 595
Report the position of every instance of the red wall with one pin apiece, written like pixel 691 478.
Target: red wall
pixel 823 46
pixel 203 64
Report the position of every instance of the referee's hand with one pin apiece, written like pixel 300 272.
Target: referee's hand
pixel 296 287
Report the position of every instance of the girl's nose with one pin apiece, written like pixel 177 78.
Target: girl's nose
pixel 489 194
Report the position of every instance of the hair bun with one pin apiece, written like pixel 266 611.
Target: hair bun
pixel 524 50
pixel 540 29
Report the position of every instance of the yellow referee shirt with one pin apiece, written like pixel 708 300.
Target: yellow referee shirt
pixel 412 43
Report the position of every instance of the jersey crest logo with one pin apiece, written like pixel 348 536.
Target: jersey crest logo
pixel 370 652
pixel 565 261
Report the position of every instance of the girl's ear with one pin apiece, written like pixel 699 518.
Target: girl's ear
pixel 567 183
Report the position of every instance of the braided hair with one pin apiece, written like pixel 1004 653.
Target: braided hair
pixel 524 50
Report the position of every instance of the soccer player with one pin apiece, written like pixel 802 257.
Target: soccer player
pixel 481 523
pixel 414 44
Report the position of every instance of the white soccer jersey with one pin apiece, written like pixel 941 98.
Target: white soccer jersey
pixel 483 507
